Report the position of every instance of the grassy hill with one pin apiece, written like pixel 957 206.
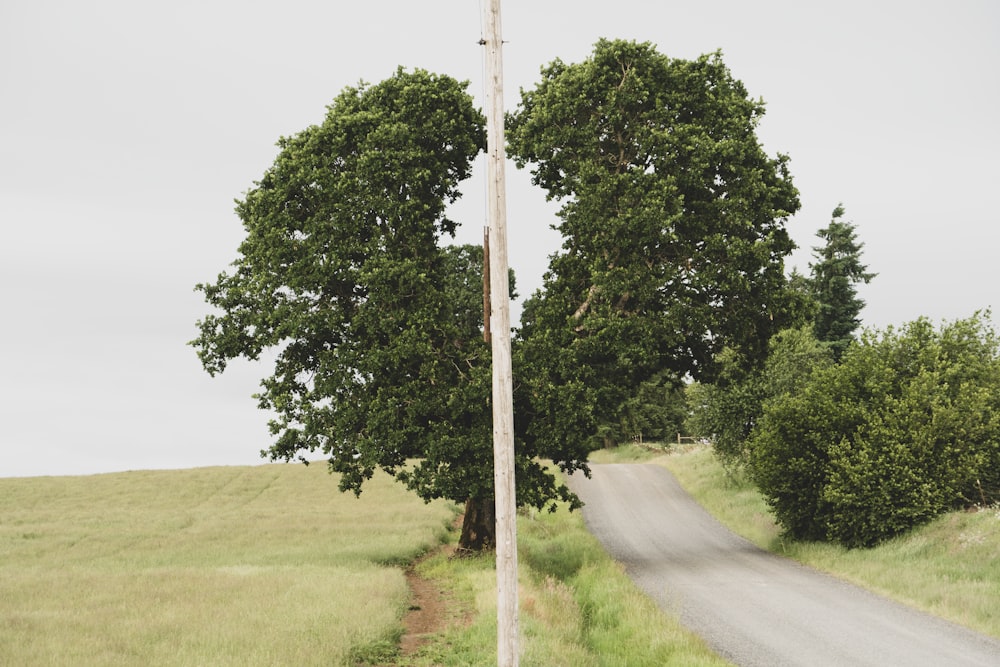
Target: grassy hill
pixel 272 565
pixel 221 566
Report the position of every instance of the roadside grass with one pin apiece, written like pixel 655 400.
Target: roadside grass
pixel 255 565
pixel 949 567
pixel 577 607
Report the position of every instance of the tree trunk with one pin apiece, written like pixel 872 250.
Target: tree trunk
pixel 479 526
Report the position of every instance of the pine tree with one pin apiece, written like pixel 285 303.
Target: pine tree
pixel 835 275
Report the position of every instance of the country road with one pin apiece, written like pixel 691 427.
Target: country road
pixel 752 607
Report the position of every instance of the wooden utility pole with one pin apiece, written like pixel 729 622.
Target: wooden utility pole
pixel 487 307
pixel 503 393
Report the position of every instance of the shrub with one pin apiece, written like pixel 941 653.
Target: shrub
pixel 905 428
pixel 728 411
pixel 790 449
pixel 726 415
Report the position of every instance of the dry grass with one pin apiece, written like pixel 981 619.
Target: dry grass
pixel 221 566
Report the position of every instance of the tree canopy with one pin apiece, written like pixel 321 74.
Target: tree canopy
pixel 674 239
pixel 673 228
pixel 376 325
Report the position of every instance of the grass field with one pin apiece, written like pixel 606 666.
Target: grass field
pixel 950 567
pixel 266 565
pixel 271 565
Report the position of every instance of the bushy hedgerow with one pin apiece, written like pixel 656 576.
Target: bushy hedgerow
pixel 906 427
pixel 727 411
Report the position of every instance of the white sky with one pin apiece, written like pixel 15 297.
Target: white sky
pixel 127 128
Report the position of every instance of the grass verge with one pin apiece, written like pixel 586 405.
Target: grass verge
pixel 949 567
pixel 577 607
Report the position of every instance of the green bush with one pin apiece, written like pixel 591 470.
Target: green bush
pixel 790 449
pixel 904 428
pixel 728 411
pixel 726 415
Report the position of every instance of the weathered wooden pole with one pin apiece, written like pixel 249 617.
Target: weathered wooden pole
pixel 503 399
pixel 487 307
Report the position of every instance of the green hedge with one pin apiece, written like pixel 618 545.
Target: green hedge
pixel 906 427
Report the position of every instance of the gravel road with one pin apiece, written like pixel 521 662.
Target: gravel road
pixel 752 607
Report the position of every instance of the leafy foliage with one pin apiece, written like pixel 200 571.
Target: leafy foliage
pixel 904 428
pixel 726 410
pixel 656 412
pixel 376 326
pixel 794 355
pixel 837 271
pixel 729 409
pixel 673 234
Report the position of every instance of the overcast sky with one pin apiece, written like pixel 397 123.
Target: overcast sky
pixel 128 127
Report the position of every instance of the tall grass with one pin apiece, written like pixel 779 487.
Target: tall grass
pixel 223 566
pixel 273 565
pixel 577 607
pixel 949 567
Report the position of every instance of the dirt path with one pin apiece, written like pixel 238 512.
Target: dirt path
pixel 751 606
pixel 428 612
pixel 433 609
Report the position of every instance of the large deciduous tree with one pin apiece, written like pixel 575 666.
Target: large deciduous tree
pixel 376 326
pixel 673 228
pixel 835 275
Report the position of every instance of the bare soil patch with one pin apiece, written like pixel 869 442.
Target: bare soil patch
pixel 433 609
pixel 428 610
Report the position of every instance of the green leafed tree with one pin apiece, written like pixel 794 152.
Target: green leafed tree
pixel 835 276
pixel 375 324
pixel 673 226
pixel 725 410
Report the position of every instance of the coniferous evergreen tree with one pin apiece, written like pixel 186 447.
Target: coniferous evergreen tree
pixel 835 276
